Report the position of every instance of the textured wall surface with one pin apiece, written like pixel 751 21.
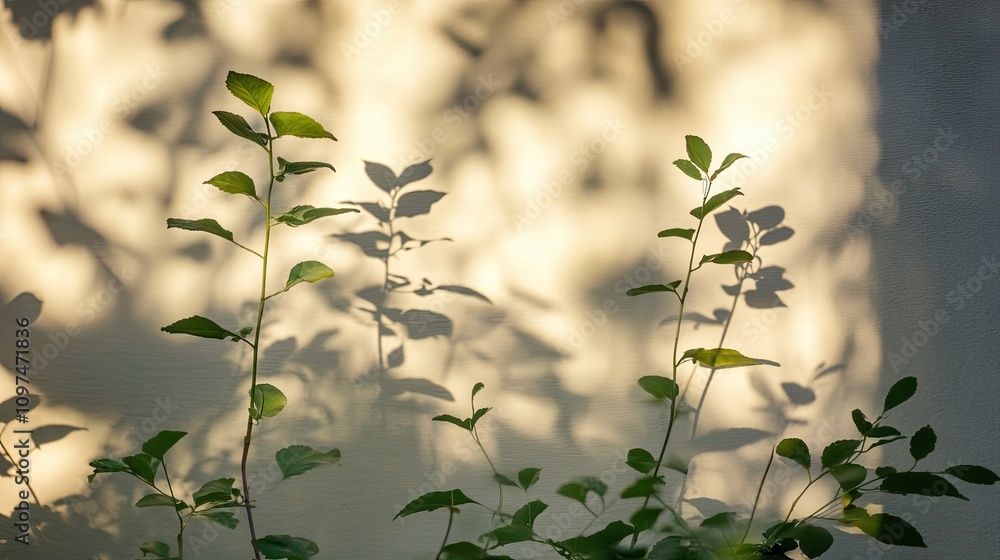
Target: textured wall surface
pixel 870 129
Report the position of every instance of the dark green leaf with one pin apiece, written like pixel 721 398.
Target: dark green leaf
pixel 142 466
pixel 599 544
pixel 796 450
pixel 197 325
pixel 645 518
pixel 288 123
pixel 813 540
pixel 968 473
pixel 297 459
pixel 641 460
pixel 659 387
pixel 382 176
pixel 900 392
pixel 267 401
pixel 882 431
pixel 479 414
pixel 720 358
pixel 686 233
pixel 883 472
pixel 923 484
pixel 729 160
pixel 528 477
pixel 206 225
pixel 642 488
pixel 861 421
pixel 729 257
pixel 106 466
pixel 839 452
pixel 307 271
pixel 436 500
pixel 580 487
pixel 286 167
pixel 303 214
pixel 240 127
pixel 224 518
pixel 648 289
pixel 413 173
pixel 416 203
pixel 922 443
pixel 889 529
pixel 159 444
pixel 219 490
pixel 714 202
pixel 476 388
pixel 251 90
pixel 699 152
pixel 464 424
pixel 499 477
pixel 689 169
pixel 234 182
pixel 678 548
pixel 528 512
pixel 464 550
pixel 720 521
pixel 882 442
pixel 155 500
pixel 158 548
pixel 510 534
pixel 849 475
pixel 284 546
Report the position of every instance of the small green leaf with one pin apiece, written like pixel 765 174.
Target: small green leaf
pixel 307 271
pixel 528 477
pixel 659 387
pixel 686 233
pixel 721 521
pixel 849 475
pixel 729 257
pixel 240 127
pixel 476 388
pixel 155 500
pixel 197 325
pixel 699 152
pixel 729 160
pixel 436 500
pixel 923 484
pixel 882 431
pixel 813 540
pixel 580 487
pixel 159 444
pixel 889 529
pixel 922 443
pixel 641 460
pixel 305 213
pixel 142 466
pixel 479 414
pixel 528 512
pixel 234 182
pixel 642 488
pixel 158 548
pixel 504 480
pixel 714 202
pixel 216 491
pixel 106 466
pixel 720 358
pixel 206 225
pixel 382 176
pixel 267 401
pixel 225 518
pixel 251 90
pixel 689 169
pixel 648 289
pixel 968 473
pixel 861 421
pixel 839 452
pixel 645 518
pixel 900 392
pixel 284 546
pixel 286 167
pixel 289 123
pixel 883 472
pixel 297 459
pixel 510 534
pixel 464 424
pixel 796 450
pixel 882 442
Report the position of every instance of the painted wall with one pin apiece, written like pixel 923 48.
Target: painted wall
pixel 552 127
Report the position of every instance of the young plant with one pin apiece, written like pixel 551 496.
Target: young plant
pixel 264 400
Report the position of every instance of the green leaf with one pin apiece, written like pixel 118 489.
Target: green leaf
pixel 284 546
pixel 414 172
pixel 720 358
pixel 528 512
pixel 729 257
pixel 297 459
pixel 479 414
pixel 436 500
pixel 528 477
pixel 659 387
pixel 922 443
pixel 729 160
pixel 307 271
pixel 219 490
pixel 382 176
pixel 641 460
pixel 465 550
pixel 476 388
pixel 224 518
pixel 686 233
pixel 849 475
pixel 416 203
pixel 580 487
pixel 305 213
pixel 154 500
pixel 142 466
pixel 723 520
pixel 923 484
pixel 813 540
pixel 158 548
pixel 889 529
pixel 885 441
pixel 968 473
pixel 267 401
pixel 839 452
pixel 600 544
pixel 251 90
pixel 861 421
pixel 678 548
pixel 645 518
pixel 882 431
pixel 883 472
pixel 648 289
pixel 503 479
pixel 106 466
pixel 900 392
pixel 464 424
pixel 206 225
pixel 796 450
pixel 642 488
pixel 510 534
pixel 289 123
pixel 286 167
pixel 699 152
pixel 689 169
pixel 159 444
pixel 712 203
pixel 234 182
pixel 197 325
pixel 240 127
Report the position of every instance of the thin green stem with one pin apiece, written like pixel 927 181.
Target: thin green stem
pixel 756 500
pixel 451 517
pixel 803 493
pixel 180 520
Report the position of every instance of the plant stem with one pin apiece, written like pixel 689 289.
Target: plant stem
pixel 451 517
pixel 180 520
pixel 757 499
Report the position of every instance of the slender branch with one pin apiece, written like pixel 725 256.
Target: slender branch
pixel 180 520
pixel 451 517
pixel 757 499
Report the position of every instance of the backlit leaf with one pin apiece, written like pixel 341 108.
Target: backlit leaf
pixel 251 90
pixel 159 444
pixel 436 500
pixel 267 401
pixel 648 289
pixel 197 325
pixel 297 459
pixel 234 182
pixel 796 450
pixel 698 152
pixel 290 123
pixel 303 214
pixel 240 127
pixel 659 387
pixel 307 271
